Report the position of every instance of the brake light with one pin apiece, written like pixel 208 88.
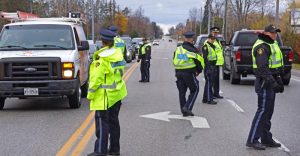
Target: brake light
pixel 291 56
pixel 238 56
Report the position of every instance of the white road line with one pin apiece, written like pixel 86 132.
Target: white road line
pixel 235 105
pixel 284 148
pixel 295 79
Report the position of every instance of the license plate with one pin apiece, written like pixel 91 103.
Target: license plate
pixel 31 91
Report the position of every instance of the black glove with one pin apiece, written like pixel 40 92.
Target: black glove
pixel 279 81
pixel 277 87
pixel 138 60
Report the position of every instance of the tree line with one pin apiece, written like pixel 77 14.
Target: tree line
pixel 241 14
pixel 133 23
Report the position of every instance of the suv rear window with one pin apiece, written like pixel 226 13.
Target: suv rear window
pixel 246 39
pixel 249 38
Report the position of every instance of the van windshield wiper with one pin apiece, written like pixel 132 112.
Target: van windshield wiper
pixel 13 46
pixel 51 45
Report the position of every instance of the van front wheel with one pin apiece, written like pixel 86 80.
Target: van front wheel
pixel 75 98
pixel 2 102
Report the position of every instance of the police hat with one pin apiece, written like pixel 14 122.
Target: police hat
pixel 107 34
pixel 189 34
pixel 214 29
pixel 113 28
pixel 271 28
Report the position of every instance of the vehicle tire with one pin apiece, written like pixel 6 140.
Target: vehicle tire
pixel 235 78
pixel 2 102
pixel 84 89
pixel 286 78
pixel 75 98
pixel 225 76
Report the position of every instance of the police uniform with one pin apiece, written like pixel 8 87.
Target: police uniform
pixel 145 56
pixel 188 64
pixel 118 42
pixel 106 90
pixel 267 64
pixel 210 59
pixel 220 62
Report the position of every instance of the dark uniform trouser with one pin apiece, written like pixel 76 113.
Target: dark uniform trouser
pixel 107 125
pixel 187 80
pixel 143 70
pixel 147 70
pixel 208 93
pixel 216 82
pixel 261 123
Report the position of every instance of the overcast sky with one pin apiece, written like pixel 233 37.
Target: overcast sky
pixel 166 13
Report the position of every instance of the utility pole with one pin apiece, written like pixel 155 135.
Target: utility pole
pixel 209 10
pixel 225 21
pixel 277 13
pixel 200 21
pixel 93 22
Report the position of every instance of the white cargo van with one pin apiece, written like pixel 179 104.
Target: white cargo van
pixel 44 57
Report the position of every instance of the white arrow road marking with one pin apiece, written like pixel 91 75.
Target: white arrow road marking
pixel 197 122
pixel 284 148
pixel 295 79
pixel 236 106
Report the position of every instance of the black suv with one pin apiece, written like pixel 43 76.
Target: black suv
pixel 238 56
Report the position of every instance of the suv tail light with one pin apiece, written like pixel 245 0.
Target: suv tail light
pixel 291 56
pixel 238 56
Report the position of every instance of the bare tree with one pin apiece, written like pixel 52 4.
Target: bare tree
pixel 242 8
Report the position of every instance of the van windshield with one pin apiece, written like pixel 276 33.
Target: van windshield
pixel 33 37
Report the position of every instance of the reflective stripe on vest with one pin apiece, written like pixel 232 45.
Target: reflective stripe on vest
pixel 275 59
pixel 212 55
pixel 117 67
pixel 184 59
pixel 144 48
pixel 119 43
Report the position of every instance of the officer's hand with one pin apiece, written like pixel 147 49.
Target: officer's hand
pixel 138 60
pixel 277 87
pixel 279 81
pixel 197 73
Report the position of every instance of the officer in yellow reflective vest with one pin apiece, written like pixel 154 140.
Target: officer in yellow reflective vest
pixel 220 62
pixel 145 56
pixel 118 42
pixel 267 64
pixel 210 70
pixel 188 64
pixel 106 90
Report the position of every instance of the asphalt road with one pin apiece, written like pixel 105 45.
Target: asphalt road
pixel 42 127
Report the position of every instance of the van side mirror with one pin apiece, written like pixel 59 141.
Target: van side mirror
pixel 84 46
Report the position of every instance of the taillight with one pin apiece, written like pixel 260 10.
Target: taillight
pixel 238 56
pixel 291 56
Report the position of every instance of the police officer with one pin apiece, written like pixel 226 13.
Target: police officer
pixel 145 56
pixel 220 62
pixel 188 64
pixel 118 42
pixel 267 64
pixel 210 70
pixel 106 90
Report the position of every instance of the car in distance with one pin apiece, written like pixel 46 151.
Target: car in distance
pixel 155 42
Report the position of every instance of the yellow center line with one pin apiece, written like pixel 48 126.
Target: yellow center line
pixel 82 144
pixel 70 142
pixel 63 151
